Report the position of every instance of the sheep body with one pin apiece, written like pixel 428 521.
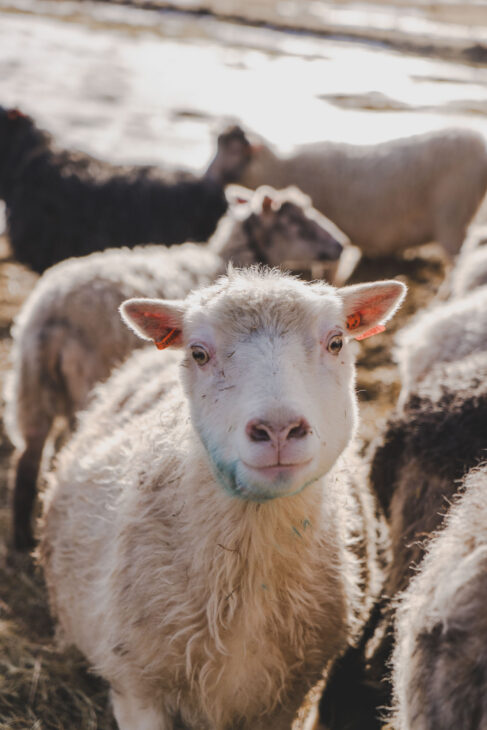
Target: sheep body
pixel 61 204
pixel 443 333
pixel 440 660
pixel 389 196
pixel 66 339
pixel 206 595
pixel 417 469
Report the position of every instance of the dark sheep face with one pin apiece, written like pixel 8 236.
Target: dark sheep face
pixel 300 234
pixel 233 155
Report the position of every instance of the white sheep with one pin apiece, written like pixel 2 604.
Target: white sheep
pixel 208 540
pixel 388 196
pixel 442 333
pixel 66 338
pixel 440 660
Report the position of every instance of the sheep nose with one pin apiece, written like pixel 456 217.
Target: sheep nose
pixel 258 430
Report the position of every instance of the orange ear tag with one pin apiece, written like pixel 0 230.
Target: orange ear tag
pixel 166 340
pixel 354 320
pixel 14 114
pixel 374 331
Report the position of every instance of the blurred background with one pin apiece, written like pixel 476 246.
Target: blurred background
pixel 154 82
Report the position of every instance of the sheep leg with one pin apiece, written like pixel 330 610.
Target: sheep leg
pixel 25 490
pixel 132 714
pixel 450 233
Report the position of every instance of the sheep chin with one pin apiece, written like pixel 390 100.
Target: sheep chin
pixel 238 480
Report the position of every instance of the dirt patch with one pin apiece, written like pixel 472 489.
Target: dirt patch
pixel 42 688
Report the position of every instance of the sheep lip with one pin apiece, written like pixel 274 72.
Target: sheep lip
pixel 275 470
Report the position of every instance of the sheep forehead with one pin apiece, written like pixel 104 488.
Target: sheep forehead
pixel 256 300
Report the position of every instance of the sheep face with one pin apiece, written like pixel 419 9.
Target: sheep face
pixel 268 372
pixel 282 225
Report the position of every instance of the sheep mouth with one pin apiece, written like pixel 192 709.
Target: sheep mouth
pixel 276 473
pixel 264 484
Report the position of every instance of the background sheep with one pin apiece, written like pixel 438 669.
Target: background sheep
pixel 440 661
pixel 61 204
pixel 389 196
pixel 426 450
pixel 238 530
pixel 66 339
pixel 443 333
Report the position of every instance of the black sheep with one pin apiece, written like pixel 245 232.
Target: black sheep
pixel 61 203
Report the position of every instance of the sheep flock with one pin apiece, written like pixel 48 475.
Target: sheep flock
pixel 276 517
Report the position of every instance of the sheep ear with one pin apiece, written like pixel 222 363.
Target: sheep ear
pixel 14 114
pixel 368 306
pixel 155 319
pixel 238 195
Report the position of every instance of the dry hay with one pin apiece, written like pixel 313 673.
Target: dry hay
pixel 43 688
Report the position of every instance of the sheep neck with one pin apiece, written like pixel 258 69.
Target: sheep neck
pixel 264 579
pixel 257 548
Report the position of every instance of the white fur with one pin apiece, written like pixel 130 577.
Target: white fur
pixel 201 587
pixel 443 333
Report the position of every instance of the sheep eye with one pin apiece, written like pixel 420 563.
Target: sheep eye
pixel 200 355
pixel 335 344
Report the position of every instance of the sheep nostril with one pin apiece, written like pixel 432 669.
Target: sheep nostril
pixel 299 431
pixel 258 432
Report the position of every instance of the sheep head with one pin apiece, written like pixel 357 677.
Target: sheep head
pixel 232 156
pixel 282 225
pixel 268 371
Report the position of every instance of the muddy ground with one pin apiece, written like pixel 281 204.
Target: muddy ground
pixel 42 688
